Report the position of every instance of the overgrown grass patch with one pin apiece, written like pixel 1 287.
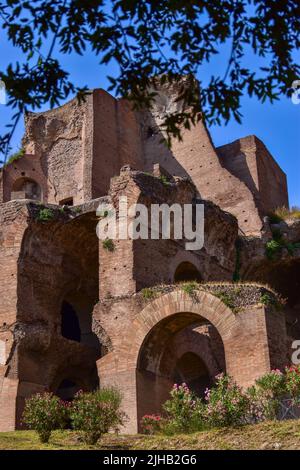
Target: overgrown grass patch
pixel 266 436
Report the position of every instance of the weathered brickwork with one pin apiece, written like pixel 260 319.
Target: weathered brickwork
pixel 78 313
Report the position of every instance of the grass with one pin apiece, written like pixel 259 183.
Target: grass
pixel 268 435
pixel 15 156
pixel 283 213
pixel 108 245
pixel 148 293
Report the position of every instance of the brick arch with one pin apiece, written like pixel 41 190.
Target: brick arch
pixel 206 307
pixel 195 340
pixel 184 257
pixel 244 336
pixel 155 327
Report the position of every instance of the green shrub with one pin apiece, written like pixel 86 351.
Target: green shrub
pixel 229 298
pixel 108 244
pixel 292 247
pixel 292 382
pixel 227 404
pixel 184 411
pixel 15 156
pixel 266 395
pixel 148 293
pixel 43 413
pixel 283 213
pixel 190 287
pixel 45 214
pixel 151 424
pixel 273 247
pixel 164 180
pixel 295 212
pixel 96 413
pixel 272 383
pixel 270 300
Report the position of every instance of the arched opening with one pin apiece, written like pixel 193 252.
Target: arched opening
pixel 70 327
pixel 67 390
pixel 191 369
pixel 26 188
pixel 180 348
pixel 186 271
pixel 66 202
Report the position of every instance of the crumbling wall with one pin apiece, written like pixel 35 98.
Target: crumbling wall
pixel 195 156
pixel 37 356
pixel 61 139
pixel 13 223
pixel 146 262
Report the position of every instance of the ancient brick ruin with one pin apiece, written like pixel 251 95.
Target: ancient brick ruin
pixel 76 315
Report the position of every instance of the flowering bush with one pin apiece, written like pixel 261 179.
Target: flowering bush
pixel 151 424
pixel 43 413
pixel 96 413
pixel 272 384
pixel 183 410
pixel 227 404
pixel 266 395
pixel 292 382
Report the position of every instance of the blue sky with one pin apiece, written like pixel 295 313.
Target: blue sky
pixel 277 125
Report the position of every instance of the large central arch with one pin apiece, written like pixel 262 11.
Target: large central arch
pixel 243 334
pixel 178 349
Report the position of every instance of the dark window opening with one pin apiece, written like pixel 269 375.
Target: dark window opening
pixel 26 188
pixel 190 369
pixel 150 132
pixel 67 390
pixel 70 327
pixel 66 202
pixel 187 272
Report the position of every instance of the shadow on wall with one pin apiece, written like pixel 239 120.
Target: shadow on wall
pixel 191 369
pixel 234 160
pixel 155 149
pixel 58 286
pixel 186 271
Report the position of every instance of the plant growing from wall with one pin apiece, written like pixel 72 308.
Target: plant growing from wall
pixel 269 300
pixel 148 293
pixel 45 214
pixel 164 180
pixel 190 288
pixel 229 298
pixel 283 213
pixel 15 156
pixel 108 245
pixel 275 246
